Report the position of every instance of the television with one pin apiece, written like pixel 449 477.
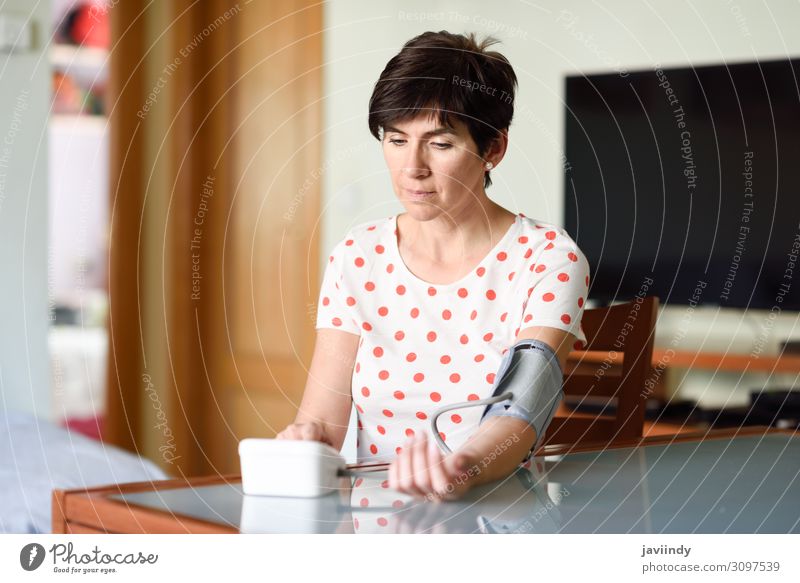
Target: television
pixel 685 183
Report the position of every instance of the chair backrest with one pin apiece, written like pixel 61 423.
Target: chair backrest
pixel 624 332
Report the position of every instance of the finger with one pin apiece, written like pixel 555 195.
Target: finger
pixel 440 481
pixel 310 432
pixel 296 431
pixel 394 484
pixel 288 433
pixel 406 470
pixel 422 476
pixel 406 475
pixel 323 436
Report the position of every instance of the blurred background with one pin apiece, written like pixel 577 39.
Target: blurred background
pixel 173 176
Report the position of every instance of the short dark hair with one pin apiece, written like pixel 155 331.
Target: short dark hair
pixel 447 74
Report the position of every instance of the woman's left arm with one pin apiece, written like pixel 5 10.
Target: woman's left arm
pixel 493 452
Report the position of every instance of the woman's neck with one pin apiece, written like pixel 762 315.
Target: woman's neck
pixel 449 239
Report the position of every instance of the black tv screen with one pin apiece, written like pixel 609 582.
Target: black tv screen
pixel 685 183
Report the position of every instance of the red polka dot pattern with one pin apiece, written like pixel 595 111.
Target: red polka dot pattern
pixel 425 345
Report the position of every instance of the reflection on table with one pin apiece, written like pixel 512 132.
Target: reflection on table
pixel 746 484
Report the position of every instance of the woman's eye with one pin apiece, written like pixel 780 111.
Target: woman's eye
pixel 437 145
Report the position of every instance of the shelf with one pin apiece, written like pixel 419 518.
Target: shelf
pixel 727 361
pixel 72 57
pixel 80 123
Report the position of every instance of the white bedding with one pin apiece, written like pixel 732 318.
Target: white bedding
pixel 37 456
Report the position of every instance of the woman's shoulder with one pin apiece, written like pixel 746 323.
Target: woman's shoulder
pixel 365 236
pixel 545 230
pixel 551 239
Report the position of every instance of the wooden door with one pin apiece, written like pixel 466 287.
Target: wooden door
pixel 263 332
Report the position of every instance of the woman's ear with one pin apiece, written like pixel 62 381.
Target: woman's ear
pixel 497 148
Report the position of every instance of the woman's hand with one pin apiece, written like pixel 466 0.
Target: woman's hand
pixel 420 469
pixel 310 431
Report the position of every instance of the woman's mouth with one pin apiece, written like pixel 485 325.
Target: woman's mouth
pixel 419 194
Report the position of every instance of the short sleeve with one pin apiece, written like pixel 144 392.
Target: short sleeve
pixel 561 283
pixel 333 310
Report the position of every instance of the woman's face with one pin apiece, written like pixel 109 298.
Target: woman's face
pixel 435 170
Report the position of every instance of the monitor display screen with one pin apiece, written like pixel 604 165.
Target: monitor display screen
pixel 686 182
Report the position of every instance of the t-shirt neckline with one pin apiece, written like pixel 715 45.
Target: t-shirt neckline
pixel 460 282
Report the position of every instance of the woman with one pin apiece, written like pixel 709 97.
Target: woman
pixel 420 308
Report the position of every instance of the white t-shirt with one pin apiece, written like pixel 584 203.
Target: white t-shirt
pixel 425 345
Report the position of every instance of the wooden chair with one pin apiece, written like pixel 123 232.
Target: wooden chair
pixel 615 362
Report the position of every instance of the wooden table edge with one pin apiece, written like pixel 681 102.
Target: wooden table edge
pixel 117 516
pixel 90 509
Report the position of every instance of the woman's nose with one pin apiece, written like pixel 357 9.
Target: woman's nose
pixel 415 164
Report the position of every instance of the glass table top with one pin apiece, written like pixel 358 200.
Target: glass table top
pixel 746 484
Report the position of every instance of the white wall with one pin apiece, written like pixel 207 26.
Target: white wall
pixel 545 41
pixel 24 103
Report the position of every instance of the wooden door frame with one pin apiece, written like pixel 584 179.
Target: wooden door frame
pixel 193 91
pixel 126 205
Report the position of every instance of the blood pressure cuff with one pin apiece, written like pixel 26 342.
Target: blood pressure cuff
pixel 531 373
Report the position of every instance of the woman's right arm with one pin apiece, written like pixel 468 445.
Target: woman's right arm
pixel 324 413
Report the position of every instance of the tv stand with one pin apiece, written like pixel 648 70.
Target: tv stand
pixel 586 362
